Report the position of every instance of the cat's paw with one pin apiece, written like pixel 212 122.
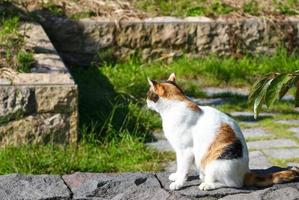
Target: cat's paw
pixel 172 176
pixel 175 185
pixel 205 186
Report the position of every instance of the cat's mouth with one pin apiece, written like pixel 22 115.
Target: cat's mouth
pixel 151 105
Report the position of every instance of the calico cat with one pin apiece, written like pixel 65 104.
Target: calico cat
pixel 208 137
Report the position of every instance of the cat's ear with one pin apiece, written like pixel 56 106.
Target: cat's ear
pixel 171 77
pixel 152 83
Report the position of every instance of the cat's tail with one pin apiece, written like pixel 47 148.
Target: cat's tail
pixel 263 180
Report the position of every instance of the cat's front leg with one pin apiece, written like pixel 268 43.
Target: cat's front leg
pixel 172 176
pixel 201 176
pixel 184 160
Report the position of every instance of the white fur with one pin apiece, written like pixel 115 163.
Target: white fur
pixel 190 133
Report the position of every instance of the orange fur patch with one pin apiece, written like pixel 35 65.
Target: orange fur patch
pixel 259 180
pixel 253 179
pixel 173 92
pixel 224 137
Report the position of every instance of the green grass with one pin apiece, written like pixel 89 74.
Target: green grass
pixel 217 7
pixel 288 7
pixel 283 162
pixel 12 52
pixel 183 7
pixel 125 154
pixel 192 74
pixel 279 130
pixel 251 7
pixel 53 8
pixel 25 61
pixel 58 10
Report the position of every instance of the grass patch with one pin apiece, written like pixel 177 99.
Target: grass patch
pixel 261 138
pixel 12 52
pixel 217 7
pixel 125 154
pixel 270 125
pixel 279 130
pixel 131 77
pixel 25 61
pixel 283 162
pixel 288 7
pixel 251 7
pixel 53 8
pixel 184 7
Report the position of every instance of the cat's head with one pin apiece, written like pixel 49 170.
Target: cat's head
pixel 165 90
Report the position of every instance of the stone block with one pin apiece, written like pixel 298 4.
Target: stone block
pixel 257 160
pixel 15 101
pixel 266 144
pixel 161 145
pixel 41 106
pixel 289 122
pixel 255 132
pixel 282 153
pixel 16 186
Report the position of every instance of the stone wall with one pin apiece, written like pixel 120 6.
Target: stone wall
pixel 41 106
pixel 168 37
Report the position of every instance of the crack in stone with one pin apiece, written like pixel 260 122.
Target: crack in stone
pixel 162 187
pixel 160 183
pixel 68 187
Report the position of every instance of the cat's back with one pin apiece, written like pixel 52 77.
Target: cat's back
pixel 211 119
pixel 211 115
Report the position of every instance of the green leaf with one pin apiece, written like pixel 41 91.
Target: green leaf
pixel 275 87
pixel 297 91
pixel 285 88
pixel 261 98
pixel 256 89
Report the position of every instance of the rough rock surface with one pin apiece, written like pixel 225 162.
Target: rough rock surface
pixel 16 186
pixel 40 106
pixel 168 37
pixel 125 186
pixel 38 114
